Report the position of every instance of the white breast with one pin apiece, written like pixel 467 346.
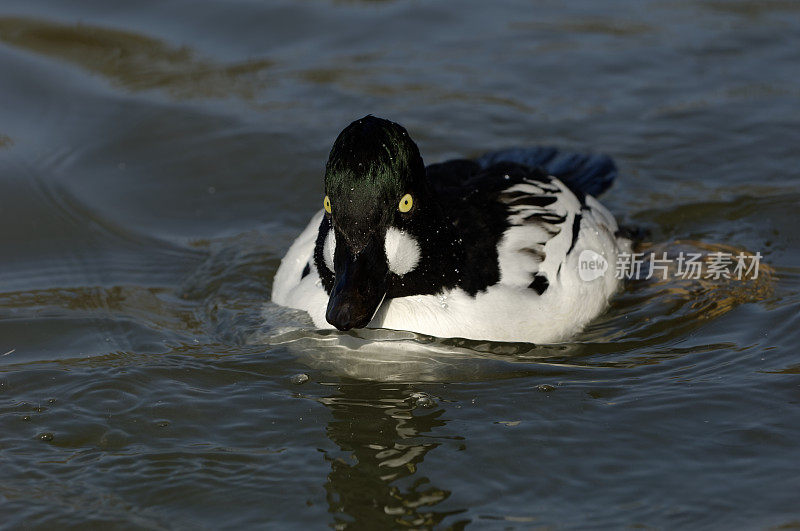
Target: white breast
pixel 306 293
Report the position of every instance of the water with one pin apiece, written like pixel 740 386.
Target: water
pixel 157 159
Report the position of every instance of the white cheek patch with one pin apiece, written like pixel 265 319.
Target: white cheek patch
pixel 328 249
pixel 402 251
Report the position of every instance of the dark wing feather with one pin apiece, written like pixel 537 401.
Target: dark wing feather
pixel 452 174
pixel 590 174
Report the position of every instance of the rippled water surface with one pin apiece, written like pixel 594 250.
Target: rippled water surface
pixel 158 158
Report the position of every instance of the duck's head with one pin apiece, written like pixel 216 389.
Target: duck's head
pixel 375 195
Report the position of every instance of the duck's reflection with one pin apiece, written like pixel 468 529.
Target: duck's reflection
pixel 382 431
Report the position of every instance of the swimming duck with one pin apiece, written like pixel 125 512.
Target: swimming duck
pixel 487 249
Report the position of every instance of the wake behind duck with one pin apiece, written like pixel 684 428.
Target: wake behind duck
pixel 481 249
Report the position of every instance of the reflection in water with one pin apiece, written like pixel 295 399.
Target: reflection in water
pixel 400 356
pixel 384 431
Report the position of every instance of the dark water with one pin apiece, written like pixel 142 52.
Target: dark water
pixel 158 158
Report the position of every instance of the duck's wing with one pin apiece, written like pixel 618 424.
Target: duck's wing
pixel 583 173
pixel 531 222
pixel 549 225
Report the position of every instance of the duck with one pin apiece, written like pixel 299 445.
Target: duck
pixel 489 248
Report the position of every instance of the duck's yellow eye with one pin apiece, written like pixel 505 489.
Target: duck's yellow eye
pixel 405 203
pixel 327 204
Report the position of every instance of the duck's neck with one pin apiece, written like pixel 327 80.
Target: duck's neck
pixel 442 259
